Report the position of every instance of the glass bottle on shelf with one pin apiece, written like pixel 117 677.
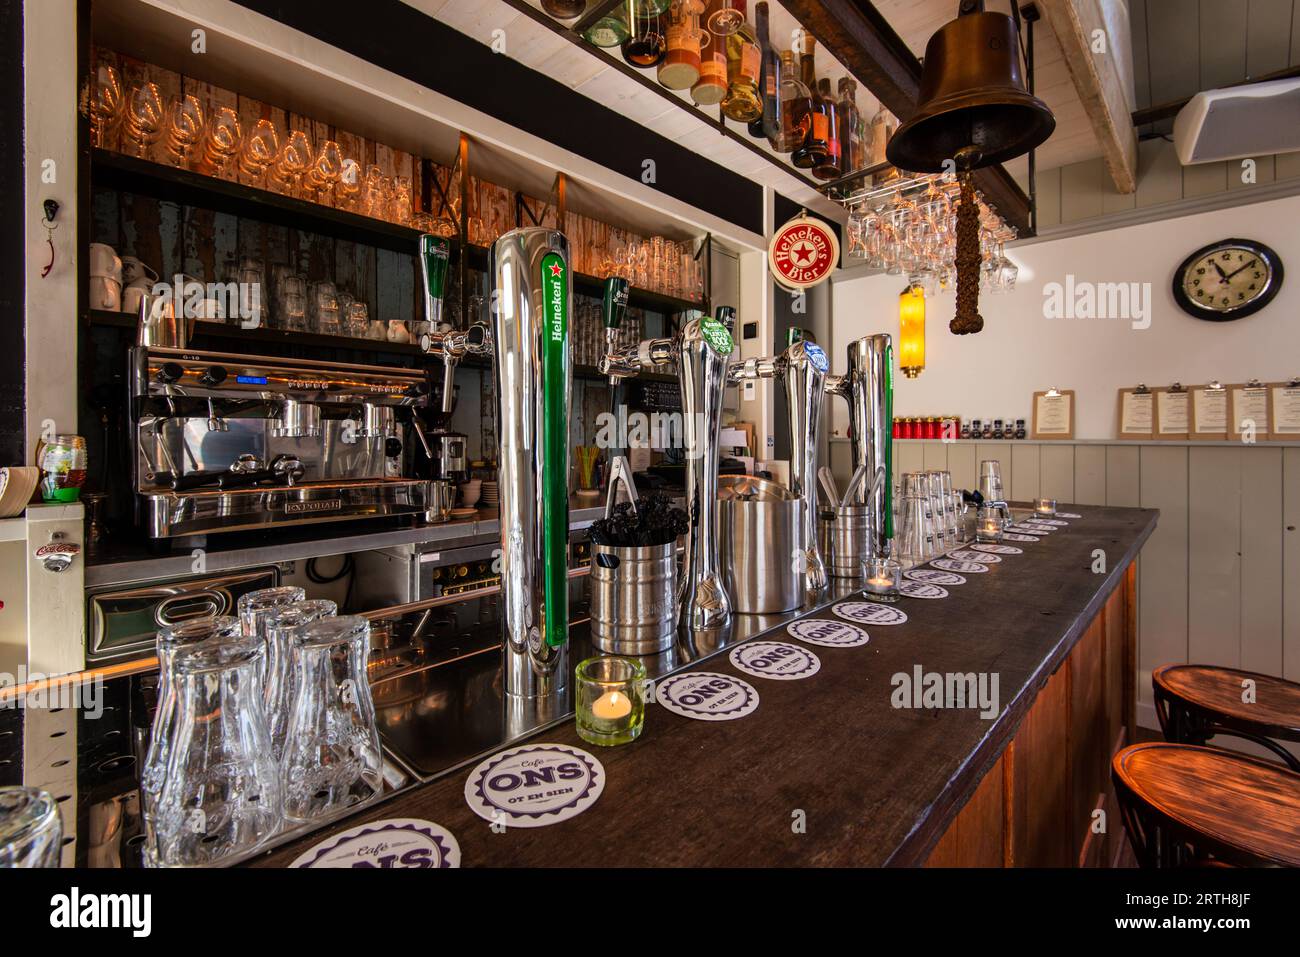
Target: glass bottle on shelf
pixel 796 105
pixel 610 30
pixel 743 101
pixel 680 69
pixel 830 165
pixel 812 151
pixel 850 127
pixel 711 87
pixel 768 123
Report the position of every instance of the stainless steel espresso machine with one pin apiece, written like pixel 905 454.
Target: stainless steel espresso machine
pixel 226 442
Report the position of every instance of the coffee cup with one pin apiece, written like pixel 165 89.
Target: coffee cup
pixel 105 293
pixel 105 262
pixel 133 270
pixel 132 294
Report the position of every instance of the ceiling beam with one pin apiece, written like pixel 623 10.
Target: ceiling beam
pixel 855 33
pixel 1095 41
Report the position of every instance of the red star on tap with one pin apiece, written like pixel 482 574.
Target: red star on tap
pixel 556 269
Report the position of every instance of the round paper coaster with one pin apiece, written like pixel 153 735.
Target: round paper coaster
pixel 1068 515
pixel 922 590
pixel 779 660
pixel 828 634
pixel 707 696
pixel 1035 528
pixel 870 613
pixel 966 555
pixel 395 842
pixel 536 785
pixel 956 565
pixel 1050 521
pixel 1017 537
pixel 933 577
pixel 994 549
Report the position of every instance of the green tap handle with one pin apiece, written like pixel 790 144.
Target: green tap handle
pixel 614 306
pixel 435 258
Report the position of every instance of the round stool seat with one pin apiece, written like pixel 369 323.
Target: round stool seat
pixel 1239 809
pixel 1196 702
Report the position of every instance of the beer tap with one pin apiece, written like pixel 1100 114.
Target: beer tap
pixel 452 344
pixel 701 353
pixel 802 369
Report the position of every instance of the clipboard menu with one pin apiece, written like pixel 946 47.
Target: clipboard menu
pixel 1173 414
pixel 1284 411
pixel 1248 411
pixel 1053 414
pixel 1137 410
pixel 1210 413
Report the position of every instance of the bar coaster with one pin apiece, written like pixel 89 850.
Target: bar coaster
pixel 957 565
pixel 394 842
pixel 1059 523
pixel 967 555
pixel 1068 515
pixel 870 613
pixel 1019 537
pixel 993 549
pixel 778 660
pixel 827 633
pixel 913 589
pixel 535 785
pixel 707 696
pixel 1034 528
pixel 933 577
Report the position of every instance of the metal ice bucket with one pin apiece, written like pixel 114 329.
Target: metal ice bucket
pixel 764 562
pixel 633 597
pixel 848 540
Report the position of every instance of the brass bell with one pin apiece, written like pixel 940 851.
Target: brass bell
pixel 974 108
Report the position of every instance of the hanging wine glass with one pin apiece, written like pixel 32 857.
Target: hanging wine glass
pixel 144 117
pixel 327 169
pixel 222 140
pixel 724 17
pixel 185 128
pixel 259 152
pixel 105 103
pixel 286 175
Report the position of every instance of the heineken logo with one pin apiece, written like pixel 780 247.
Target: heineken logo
pixel 717 336
pixel 803 252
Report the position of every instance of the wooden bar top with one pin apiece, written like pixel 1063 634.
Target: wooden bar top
pixel 826 771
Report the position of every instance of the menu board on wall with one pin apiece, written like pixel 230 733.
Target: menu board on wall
pixel 1137 410
pixel 1053 414
pixel 1209 413
pixel 1248 411
pixel 1284 406
pixel 1173 413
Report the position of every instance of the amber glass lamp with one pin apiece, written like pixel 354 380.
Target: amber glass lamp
pixel 911 330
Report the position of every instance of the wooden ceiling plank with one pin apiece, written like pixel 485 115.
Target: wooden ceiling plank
pixel 1103 78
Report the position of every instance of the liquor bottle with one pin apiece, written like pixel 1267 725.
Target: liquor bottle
pixel 711 87
pixel 812 150
pixel 769 80
pixel 743 101
pixel 680 69
pixel 851 127
pixel 796 105
pixel 829 167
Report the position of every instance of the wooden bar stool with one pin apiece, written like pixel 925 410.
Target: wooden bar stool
pixel 1189 805
pixel 1196 702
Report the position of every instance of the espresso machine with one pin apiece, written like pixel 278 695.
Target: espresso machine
pixel 225 442
pixel 701 353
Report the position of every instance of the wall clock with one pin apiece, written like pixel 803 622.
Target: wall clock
pixel 1228 280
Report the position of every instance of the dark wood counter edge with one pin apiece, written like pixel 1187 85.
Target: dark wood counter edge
pixel 918 844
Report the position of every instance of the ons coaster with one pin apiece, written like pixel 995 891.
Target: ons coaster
pixel 534 786
pixel 1068 515
pixel 1035 528
pixel 914 589
pixel 930 576
pixel 870 613
pixel 707 696
pixel 1050 521
pixel 956 565
pixel 828 634
pixel 396 842
pixel 1017 537
pixel 993 549
pixel 775 659
pixel 966 555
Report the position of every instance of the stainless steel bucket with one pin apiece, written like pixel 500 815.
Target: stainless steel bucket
pixel 848 537
pixel 633 595
pixel 441 494
pixel 764 565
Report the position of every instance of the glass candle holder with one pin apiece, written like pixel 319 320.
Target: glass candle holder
pixel 988 525
pixel 1045 507
pixel 882 578
pixel 610 700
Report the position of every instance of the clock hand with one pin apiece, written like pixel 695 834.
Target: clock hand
pixel 1239 269
pixel 1222 276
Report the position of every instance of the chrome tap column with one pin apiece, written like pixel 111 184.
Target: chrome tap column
pixel 532 292
pixel 805 389
pixel 868 386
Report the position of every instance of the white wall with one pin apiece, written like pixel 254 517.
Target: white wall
pixel 993 374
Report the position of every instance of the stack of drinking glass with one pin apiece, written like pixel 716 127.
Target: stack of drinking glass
pixel 264 722
pixel 929 517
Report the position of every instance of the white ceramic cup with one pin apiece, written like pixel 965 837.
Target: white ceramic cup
pixel 470 491
pixel 133 270
pixel 132 294
pixel 105 293
pixel 105 262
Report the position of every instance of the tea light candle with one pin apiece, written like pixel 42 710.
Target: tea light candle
pixel 609 706
pixel 988 526
pixel 1045 506
pixel 882 579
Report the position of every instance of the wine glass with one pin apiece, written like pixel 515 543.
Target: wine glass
pixel 286 175
pixel 105 104
pixel 347 191
pixel 327 169
pixel 399 202
pixel 724 18
pixel 222 141
pixel 144 117
pixel 185 128
pixel 260 150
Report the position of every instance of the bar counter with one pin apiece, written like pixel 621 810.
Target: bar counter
pixel 827 771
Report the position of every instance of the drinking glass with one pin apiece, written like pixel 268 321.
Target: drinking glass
pixel 332 758
pixel 222 140
pixel 374 198
pixel 347 191
pixel 105 103
pixel 323 308
pixel 356 321
pixel 399 202
pixel 910 544
pixel 255 607
pixel 283 624
pixel 221 788
pixel 609 707
pixel 144 117
pixel 988 524
pixel 327 168
pixel 260 150
pixel 31 829
pixel 185 128
pixel 293 311
pixel 991 480
pixel 285 175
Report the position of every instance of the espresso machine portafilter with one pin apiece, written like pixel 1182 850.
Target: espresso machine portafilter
pixel 701 352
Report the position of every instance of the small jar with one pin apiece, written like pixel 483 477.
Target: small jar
pixel 609 696
pixel 63 468
pixel 988 525
pixel 882 579
pixel 1045 507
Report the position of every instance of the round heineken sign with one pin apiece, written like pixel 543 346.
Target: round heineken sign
pixel 803 252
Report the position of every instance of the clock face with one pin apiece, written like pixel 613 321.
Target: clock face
pixel 1228 280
